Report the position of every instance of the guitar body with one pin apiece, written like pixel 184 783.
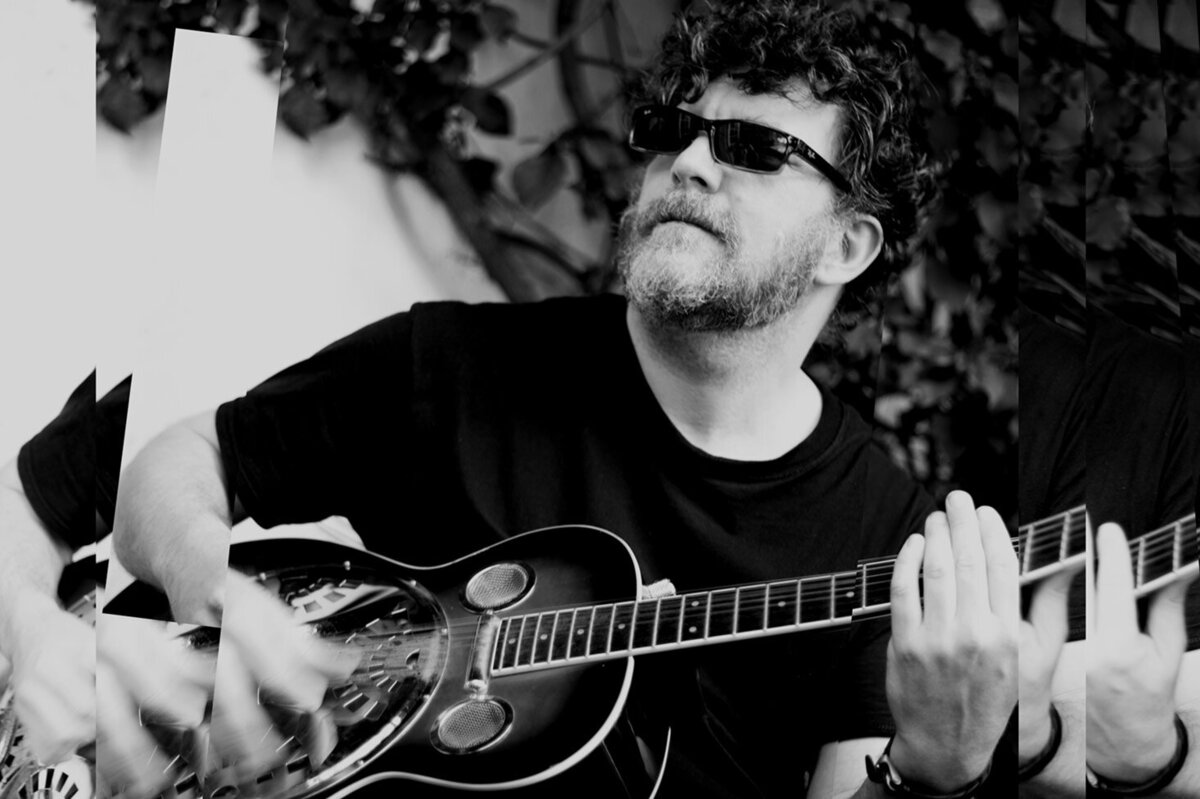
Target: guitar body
pixel 421 707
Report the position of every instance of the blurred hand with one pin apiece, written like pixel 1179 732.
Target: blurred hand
pixel 54 683
pixel 272 678
pixel 1131 675
pixel 1042 637
pixel 145 679
pixel 952 669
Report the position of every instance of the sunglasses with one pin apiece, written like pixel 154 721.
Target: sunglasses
pixel 666 130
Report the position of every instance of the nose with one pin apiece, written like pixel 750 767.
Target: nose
pixel 694 167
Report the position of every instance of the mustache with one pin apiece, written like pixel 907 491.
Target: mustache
pixel 681 207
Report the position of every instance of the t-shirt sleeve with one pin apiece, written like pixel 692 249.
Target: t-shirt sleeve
pixel 316 438
pixel 57 468
pixel 111 412
pixel 895 507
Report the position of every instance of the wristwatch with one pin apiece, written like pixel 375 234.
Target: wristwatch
pixel 881 771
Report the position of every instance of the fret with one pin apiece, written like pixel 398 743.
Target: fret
pixel 1189 543
pixel 545 628
pixel 581 625
pixel 693 624
pixel 622 627
pixel 751 613
pixel 815 604
pixel 560 638
pixel 877 583
pixel 526 640
pixel 670 615
pixel 1140 568
pixel 845 590
pixel 1027 550
pixel 782 604
pixel 1076 532
pixel 644 624
pixel 600 642
pixel 501 643
pixel 1177 549
pixel 720 620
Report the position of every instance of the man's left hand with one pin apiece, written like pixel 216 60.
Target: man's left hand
pixel 952 666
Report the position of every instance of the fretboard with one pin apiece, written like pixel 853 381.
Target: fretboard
pixel 590 633
pixel 1164 555
pixel 1052 544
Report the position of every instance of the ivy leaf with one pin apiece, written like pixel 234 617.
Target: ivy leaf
pixel 120 104
pixel 481 174
pixel 302 112
pixel 489 109
pixel 156 73
pixel 229 14
pixel 535 180
pixel 497 22
pixel 346 88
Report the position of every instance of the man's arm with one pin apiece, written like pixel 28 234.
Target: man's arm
pixel 52 653
pixel 32 564
pixel 173 520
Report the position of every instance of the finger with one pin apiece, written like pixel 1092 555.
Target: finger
pixel 1166 624
pixel 128 761
pixel 55 726
pixel 1004 593
pixel 905 591
pixel 1048 610
pixel 938 572
pixel 242 732
pixel 169 683
pixel 1116 612
pixel 970 569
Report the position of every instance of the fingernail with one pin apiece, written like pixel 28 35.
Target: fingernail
pixel 959 500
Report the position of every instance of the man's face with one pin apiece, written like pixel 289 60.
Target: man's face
pixel 708 246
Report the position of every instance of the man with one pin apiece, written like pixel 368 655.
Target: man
pixel 680 419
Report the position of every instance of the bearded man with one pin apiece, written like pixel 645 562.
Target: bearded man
pixel 678 417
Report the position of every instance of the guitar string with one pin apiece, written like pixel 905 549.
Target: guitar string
pixel 1158 549
pixel 726 600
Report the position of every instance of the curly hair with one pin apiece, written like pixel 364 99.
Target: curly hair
pixel 765 46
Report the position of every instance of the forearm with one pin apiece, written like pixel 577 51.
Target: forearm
pixel 1064 776
pixel 31 565
pixel 173 520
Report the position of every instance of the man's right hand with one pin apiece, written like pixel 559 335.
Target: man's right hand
pixel 270 666
pixel 54 682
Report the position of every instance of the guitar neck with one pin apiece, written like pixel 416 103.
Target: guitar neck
pixel 1051 545
pixel 1164 555
pixel 589 633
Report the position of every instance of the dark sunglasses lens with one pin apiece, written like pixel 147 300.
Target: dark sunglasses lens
pixel 750 146
pixel 661 130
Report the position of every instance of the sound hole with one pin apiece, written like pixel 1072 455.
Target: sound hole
pixel 470 726
pixel 498 586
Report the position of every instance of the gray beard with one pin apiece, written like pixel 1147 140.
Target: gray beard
pixel 732 296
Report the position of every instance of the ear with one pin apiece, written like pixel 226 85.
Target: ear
pixel 852 247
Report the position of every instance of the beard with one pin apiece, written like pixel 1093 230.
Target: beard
pixel 696 277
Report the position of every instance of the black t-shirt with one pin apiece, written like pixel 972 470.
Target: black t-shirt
pixel 442 430
pixel 69 470
pixel 1104 418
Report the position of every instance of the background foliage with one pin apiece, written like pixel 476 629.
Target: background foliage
pixel 936 369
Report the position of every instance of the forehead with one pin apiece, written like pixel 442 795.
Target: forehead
pixel 797 112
